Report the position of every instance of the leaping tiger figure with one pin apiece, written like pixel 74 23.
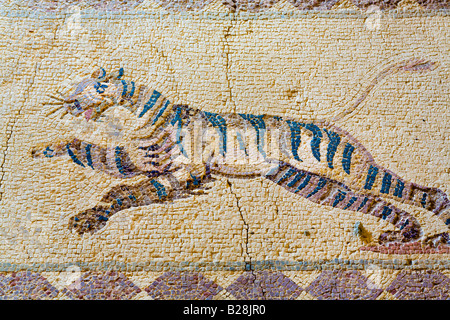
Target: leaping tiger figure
pixel 178 149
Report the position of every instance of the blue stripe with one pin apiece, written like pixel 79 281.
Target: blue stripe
pixel 132 89
pixel 371 175
pixel 347 157
pixel 221 125
pixel 289 173
pixel 177 119
pixel 405 224
pixel 103 73
pixel 120 73
pixel 196 181
pixel 88 155
pixel 335 140
pixel 398 192
pixel 363 203
pixel 259 125
pixel 77 104
pixel 322 182
pixel 339 197
pixel 48 152
pixel 73 156
pixel 150 103
pixel 352 201
pixel 119 201
pixel 423 202
pixel 119 160
pixel 386 212
pixel 161 111
pixel 296 178
pixel 295 138
pixel 241 143
pixel 160 189
pixel 303 184
pixel 386 185
pixel 125 88
pixel 317 138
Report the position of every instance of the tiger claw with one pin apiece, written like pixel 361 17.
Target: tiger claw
pixel 390 237
pixel 436 244
pixel 410 233
pixel 437 240
pixel 434 241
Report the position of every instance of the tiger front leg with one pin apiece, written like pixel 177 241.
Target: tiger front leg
pixel 120 198
pixel 180 184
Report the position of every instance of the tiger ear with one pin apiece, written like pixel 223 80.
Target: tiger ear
pixel 116 75
pixel 99 74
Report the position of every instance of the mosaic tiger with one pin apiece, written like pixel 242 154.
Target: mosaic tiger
pixel 179 149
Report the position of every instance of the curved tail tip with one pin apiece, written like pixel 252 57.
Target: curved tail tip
pixel 419 65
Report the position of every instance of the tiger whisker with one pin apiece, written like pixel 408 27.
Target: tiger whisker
pixel 63 114
pixel 56 98
pixel 54 110
pixel 52 103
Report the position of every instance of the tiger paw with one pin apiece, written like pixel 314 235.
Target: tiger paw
pixel 436 244
pixel 409 234
pixel 437 240
pixel 89 221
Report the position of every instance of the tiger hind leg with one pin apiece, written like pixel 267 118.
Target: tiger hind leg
pixel 358 170
pixel 328 192
pixel 381 181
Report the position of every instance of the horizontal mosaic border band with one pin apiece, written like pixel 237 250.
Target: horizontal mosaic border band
pixel 231 5
pixel 157 266
pixel 225 16
pixel 259 285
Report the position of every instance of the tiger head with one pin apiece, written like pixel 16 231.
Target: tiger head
pixel 94 95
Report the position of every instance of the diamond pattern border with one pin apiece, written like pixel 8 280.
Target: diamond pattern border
pixel 249 285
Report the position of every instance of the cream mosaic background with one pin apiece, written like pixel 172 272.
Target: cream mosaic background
pixel 306 68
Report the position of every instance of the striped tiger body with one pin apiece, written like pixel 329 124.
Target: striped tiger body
pixel 179 149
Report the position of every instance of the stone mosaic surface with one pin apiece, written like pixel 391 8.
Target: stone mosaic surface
pixel 263 285
pixel 242 150
pixel 231 5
